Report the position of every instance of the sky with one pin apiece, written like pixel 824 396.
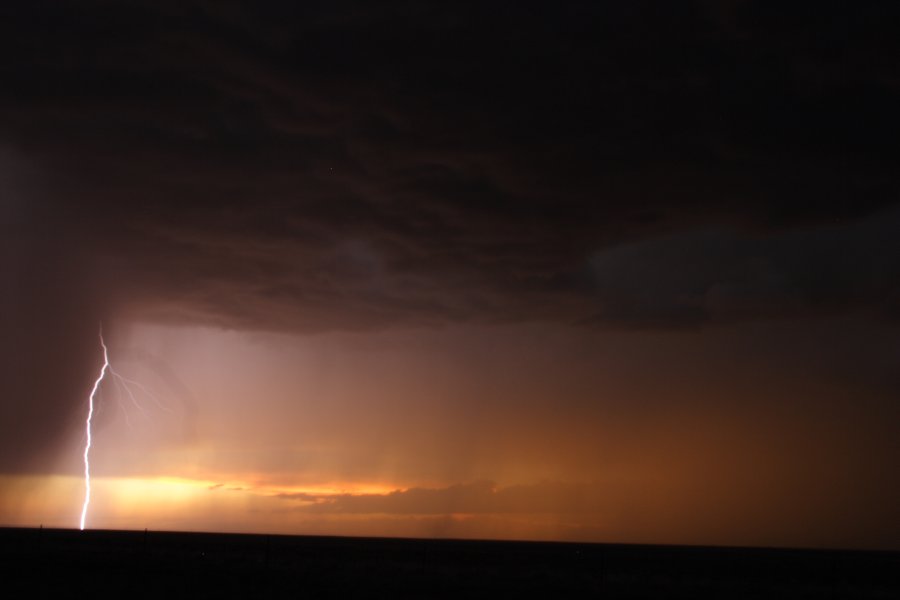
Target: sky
pixel 603 271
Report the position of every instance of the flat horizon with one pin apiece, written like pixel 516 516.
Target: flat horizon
pixel 452 539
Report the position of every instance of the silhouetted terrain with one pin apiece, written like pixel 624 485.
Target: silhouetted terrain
pixel 126 564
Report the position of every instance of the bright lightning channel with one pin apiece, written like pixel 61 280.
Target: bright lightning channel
pixel 123 384
pixel 87 427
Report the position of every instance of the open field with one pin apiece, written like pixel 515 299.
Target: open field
pixel 159 565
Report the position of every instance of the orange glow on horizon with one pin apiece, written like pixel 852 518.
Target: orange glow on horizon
pixel 144 499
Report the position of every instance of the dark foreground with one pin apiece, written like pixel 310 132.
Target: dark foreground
pixel 124 564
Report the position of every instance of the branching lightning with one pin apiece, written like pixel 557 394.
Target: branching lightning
pixel 87 427
pixel 124 387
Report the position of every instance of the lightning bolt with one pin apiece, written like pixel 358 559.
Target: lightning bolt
pixel 125 387
pixel 87 427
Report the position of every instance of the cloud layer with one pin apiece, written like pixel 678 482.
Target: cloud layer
pixel 342 167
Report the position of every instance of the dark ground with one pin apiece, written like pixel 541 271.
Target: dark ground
pixel 126 564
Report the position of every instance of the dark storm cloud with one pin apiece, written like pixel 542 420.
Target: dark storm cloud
pixel 713 275
pixel 280 165
pixel 309 167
